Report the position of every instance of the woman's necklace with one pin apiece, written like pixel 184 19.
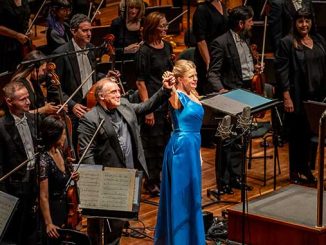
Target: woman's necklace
pixel 308 42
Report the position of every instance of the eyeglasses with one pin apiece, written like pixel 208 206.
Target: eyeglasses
pixel 164 26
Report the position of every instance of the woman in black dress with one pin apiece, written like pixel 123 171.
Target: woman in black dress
pixel 153 59
pixel 209 22
pixel 126 28
pixel 14 21
pixel 54 174
pixel 300 67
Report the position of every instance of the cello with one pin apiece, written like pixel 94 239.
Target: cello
pixel 74 216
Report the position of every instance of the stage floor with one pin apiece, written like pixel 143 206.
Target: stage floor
pixel 294 203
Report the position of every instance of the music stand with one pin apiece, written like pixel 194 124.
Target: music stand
pixel 8 205
pixel 233 103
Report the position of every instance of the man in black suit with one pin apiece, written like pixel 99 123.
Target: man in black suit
pixel 18 140
pixel 281 15
pixel 118 143
pixel 231 67
pixel 75 68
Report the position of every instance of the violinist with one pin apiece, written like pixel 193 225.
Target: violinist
pixel 74 69
pixel 127 28
pixel 58 31
pixel 33 78
pixel 55 171
pixel 232 66
pixel 15 16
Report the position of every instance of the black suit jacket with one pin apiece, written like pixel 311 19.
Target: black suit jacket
pixel 69 73
pixel 12 151
pixel 106 149
pixel 225 67
pixel 280 19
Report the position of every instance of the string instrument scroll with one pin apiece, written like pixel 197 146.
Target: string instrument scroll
pixel 74 216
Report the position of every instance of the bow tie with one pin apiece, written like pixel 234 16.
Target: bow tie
pixel 22 120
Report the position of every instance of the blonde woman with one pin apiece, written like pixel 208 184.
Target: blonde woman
pixel 180 218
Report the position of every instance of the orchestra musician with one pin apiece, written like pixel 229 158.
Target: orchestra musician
pixel 209 22
pixel 118 143
pixel 73 69
pixel 32 77
pixel 55 171
pixel 15 16
pixel 58 32
pixel 127 28
pixel 18 143
pixel 153 59
pixel 281 15
pixel 299 62
pixel 232 66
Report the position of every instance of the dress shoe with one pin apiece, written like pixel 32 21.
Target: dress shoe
pixel 153 190
pixel 308 177
pixel 295 178
pixel 227 189
pixel 236 183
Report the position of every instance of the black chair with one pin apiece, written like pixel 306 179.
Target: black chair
pixel 263 130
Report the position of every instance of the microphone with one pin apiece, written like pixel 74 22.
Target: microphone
pixel 224 128
pixel 244 121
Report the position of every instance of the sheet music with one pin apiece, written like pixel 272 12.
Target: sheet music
pixel 7 206
pixel 111 189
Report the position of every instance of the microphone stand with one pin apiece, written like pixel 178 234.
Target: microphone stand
pixel 218 160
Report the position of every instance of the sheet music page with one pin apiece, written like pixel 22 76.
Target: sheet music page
pixel 89 185
pixel 111 189
pixel 7 205
pixel 118 188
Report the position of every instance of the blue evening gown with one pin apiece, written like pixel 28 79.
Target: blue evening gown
pixel 180 219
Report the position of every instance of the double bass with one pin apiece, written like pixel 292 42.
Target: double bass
pixel 74 216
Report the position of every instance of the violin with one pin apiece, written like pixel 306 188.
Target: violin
pixel 74 216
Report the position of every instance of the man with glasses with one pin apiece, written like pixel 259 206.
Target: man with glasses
pixel 118 143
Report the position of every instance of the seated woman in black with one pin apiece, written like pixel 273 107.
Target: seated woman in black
pixel 54 174
pixel 127 28
pixel 58 31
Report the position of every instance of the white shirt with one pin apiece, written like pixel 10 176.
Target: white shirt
pixel 26 136
pixel 246 60
pixel 85 68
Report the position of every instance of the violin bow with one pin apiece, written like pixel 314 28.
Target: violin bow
pixel 35 17
pixel 97 10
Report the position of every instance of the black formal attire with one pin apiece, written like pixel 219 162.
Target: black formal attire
pixel 208 24
pixel 57 181
pixel 225 71
pixel 301 72
pixel 70 78
pixel 123 37
pixel 22 184
pixel 280 19
pixel 110 149
pixel 15 18
pixel 151 64
pixel 55 39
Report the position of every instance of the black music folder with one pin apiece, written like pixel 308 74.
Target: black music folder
pixel 314 110
pixel 234 101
